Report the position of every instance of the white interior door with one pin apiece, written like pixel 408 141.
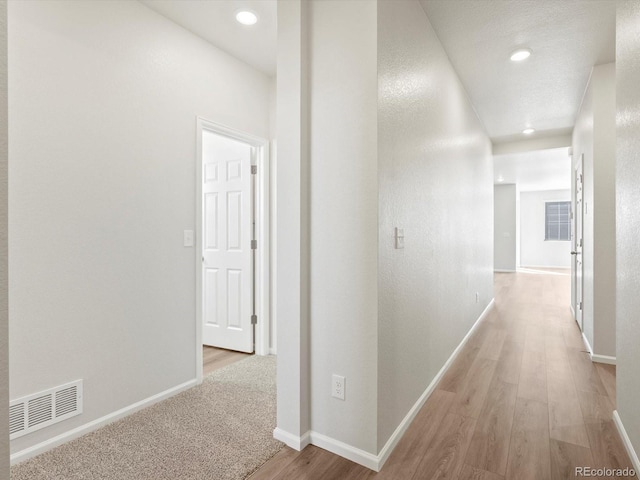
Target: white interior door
pixel 227 273
pixel 578 219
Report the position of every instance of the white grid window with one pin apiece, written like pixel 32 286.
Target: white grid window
pixel 557 221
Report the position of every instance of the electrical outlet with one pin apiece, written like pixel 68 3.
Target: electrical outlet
pixel 337 386
pixel 477 297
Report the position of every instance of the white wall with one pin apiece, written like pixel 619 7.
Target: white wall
pixel 534 250
pixel 344 219
pixel 4 308
pixel 103 104
pixel 436 181
pixel 628 217
pixel 505 227
pixel 594 136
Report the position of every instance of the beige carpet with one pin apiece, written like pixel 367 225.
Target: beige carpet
pixel 220 430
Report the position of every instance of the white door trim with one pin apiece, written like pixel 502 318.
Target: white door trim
pixel 578 312
pixel 262 235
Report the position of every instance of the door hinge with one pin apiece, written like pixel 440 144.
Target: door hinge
pixel 254 319
pixel 580 306
pixel 254 169
pixel 254 244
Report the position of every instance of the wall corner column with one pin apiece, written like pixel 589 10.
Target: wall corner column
pixel 4 230
pixel 292 225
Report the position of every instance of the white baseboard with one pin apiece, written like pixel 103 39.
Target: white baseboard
pixel 627 442
pixel 272 351
pixel 573 313
pixel 65 437
pixel 585 340
pixel 603 359
pixel 349 452
pixel 564 267
pixel 609 360
pixel 291 440
pixel 366 459
pixel 499 270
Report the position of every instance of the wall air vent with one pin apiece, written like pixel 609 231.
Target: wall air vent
pixel 33 412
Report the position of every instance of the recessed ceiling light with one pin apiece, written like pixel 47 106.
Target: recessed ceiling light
pixel 520 54
pixel 528 131
pixel 245 17
pixel 500 179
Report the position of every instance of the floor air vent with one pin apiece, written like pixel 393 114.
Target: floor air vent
pixel 31 413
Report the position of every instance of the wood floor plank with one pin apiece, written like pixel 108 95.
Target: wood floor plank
pixel 607 375
pixel 492 345
pixel 343 468
pixel 275 465
pixel 558 367
pixel 489 448
pixel 560 385
pixel 470 398
pixel 215 358
pixel 533 377
pixel 573 337
pixel 444 457
pixel 606 446
pixel 584 372
pixel 529 455
pixel 510 362
pixel 311 464
pixel 595 407
pixel 534 341
pixel 407 455
pixel 565 457
pixel 566 422
pixel 473 473
pixel 455 376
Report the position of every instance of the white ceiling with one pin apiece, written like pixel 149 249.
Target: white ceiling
pixel 568 37
pixel 214 21
pixel 534 171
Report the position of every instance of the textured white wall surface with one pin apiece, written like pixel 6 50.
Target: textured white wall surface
pixel 604 208
pixel 505 227
pixel 435 181
pixel 594 137
pixel 628 216
pixel 103 104
pixel 4 308
pixel 534 250
pixel 344 219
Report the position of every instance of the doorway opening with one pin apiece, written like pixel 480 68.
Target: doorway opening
pixel 533 229
pixel 232 245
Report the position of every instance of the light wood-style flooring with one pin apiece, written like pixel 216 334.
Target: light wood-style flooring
pixel 522 401
pixel 214 358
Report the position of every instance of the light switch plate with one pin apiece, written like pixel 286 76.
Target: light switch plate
pixel 188 238
pixel 399 238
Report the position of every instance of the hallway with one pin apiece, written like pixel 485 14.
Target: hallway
pixel 521 401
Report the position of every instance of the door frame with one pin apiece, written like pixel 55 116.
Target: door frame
pixel 262 219
pixel 578 314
